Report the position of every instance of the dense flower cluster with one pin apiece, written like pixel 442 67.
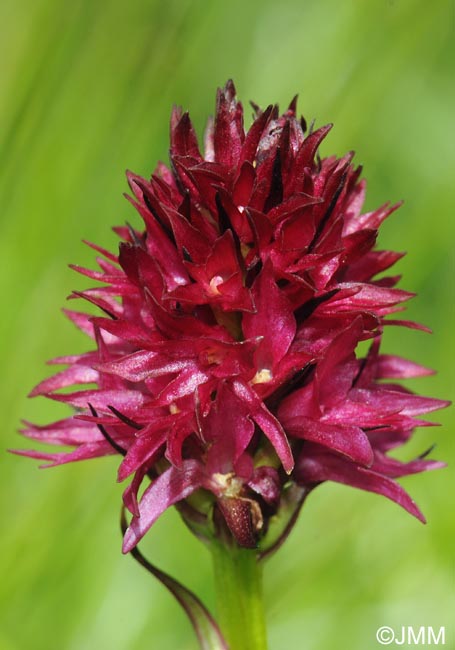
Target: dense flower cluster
pixel 225 359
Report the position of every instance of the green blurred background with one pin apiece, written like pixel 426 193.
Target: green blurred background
pixel 86 90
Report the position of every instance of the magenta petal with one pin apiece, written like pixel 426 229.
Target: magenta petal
pixel 340 349
pixel 395 469
pixel 268 423
pixel 275 433
pixel 185 384
pixel 350 441
pixel 309 147
pixel 141 451
pixel 373 296
pixel 172 486
pixel 176 436
pixel 161 248
pixel 253 136
pixel 391 367
pixel 274 319
pixel 408 323
pixel 337 370
pixel 228 134
pixel 183 137
pixel 85 451
pixel 132 332
pixel 81 320
pixel 101 399
pixel 371 264
pixel 373 219
pixel 63 432
pixel 265 481
pixel 394 401
pixel 73 375
pixel 130 493
pixel 324 467
pixel 229 430
pixel 143 365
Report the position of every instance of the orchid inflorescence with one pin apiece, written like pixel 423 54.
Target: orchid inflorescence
pixel 225 356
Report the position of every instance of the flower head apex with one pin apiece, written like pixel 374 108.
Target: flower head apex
pixel 225 352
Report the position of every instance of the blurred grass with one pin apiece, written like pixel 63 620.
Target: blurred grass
pixel 86 93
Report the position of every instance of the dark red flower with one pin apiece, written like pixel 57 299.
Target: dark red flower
pixel 225 362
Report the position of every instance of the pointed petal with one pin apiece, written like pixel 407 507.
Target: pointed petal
pixel 267 422
pixel 83 452
pixel 274 320
pixel 70 376
pixel 229 428
pixel 393 367
pixel 101 399
pixel 70 431
pixel 395 469
pixel 171 486
pixel 325 467
pixel 229 134
pixel 141 451
pixel 350 441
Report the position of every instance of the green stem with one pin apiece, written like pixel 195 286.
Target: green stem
pixel 238 583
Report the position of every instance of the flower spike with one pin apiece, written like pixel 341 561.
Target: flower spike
pixel 224 364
